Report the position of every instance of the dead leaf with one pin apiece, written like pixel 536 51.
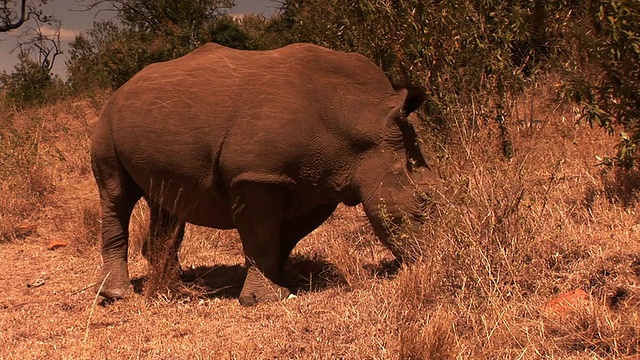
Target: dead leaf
pixel 567 303
pixel 55 244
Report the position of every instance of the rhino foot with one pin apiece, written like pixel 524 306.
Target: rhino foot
pixel 258 288
pixel 113 284
pixel 110 295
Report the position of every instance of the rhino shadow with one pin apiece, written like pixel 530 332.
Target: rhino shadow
pixel 304 273
pixel 312 274
pixel 217 281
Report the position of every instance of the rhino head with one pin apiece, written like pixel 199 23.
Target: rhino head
pixel 392 180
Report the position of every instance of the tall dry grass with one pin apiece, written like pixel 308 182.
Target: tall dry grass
pixel 42 152
pixel 510 235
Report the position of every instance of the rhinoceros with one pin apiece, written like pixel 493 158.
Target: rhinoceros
pixel 266 142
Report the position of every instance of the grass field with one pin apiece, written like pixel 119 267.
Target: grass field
pixel 508 240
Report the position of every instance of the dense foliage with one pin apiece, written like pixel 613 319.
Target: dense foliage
pixel 610 91
pixel 30 83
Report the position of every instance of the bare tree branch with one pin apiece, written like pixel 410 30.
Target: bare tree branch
pixel 45 44
pixel 8 21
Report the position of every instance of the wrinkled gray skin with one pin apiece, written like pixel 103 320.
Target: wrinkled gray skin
pixel 268 142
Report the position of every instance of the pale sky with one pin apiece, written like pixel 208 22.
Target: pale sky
pixel 74 22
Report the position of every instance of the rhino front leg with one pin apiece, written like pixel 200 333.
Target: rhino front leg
pixel 258 214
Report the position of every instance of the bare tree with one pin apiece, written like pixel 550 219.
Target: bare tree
pixel 42 42
pixel 9 20
pixel 15 13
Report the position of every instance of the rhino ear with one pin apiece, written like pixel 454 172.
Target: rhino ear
pixel 413 97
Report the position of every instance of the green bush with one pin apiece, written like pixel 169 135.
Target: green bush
pixel 607 84
pixel 109 56
pixel 472 55
pixel 30 84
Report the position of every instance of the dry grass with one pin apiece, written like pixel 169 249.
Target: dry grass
pixel 507 237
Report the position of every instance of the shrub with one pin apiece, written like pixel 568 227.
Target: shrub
pixel 606 83
pixel 30 84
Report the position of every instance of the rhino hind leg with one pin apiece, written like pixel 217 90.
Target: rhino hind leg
pixel 161 247
pixel 118 196
pixel 258 214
